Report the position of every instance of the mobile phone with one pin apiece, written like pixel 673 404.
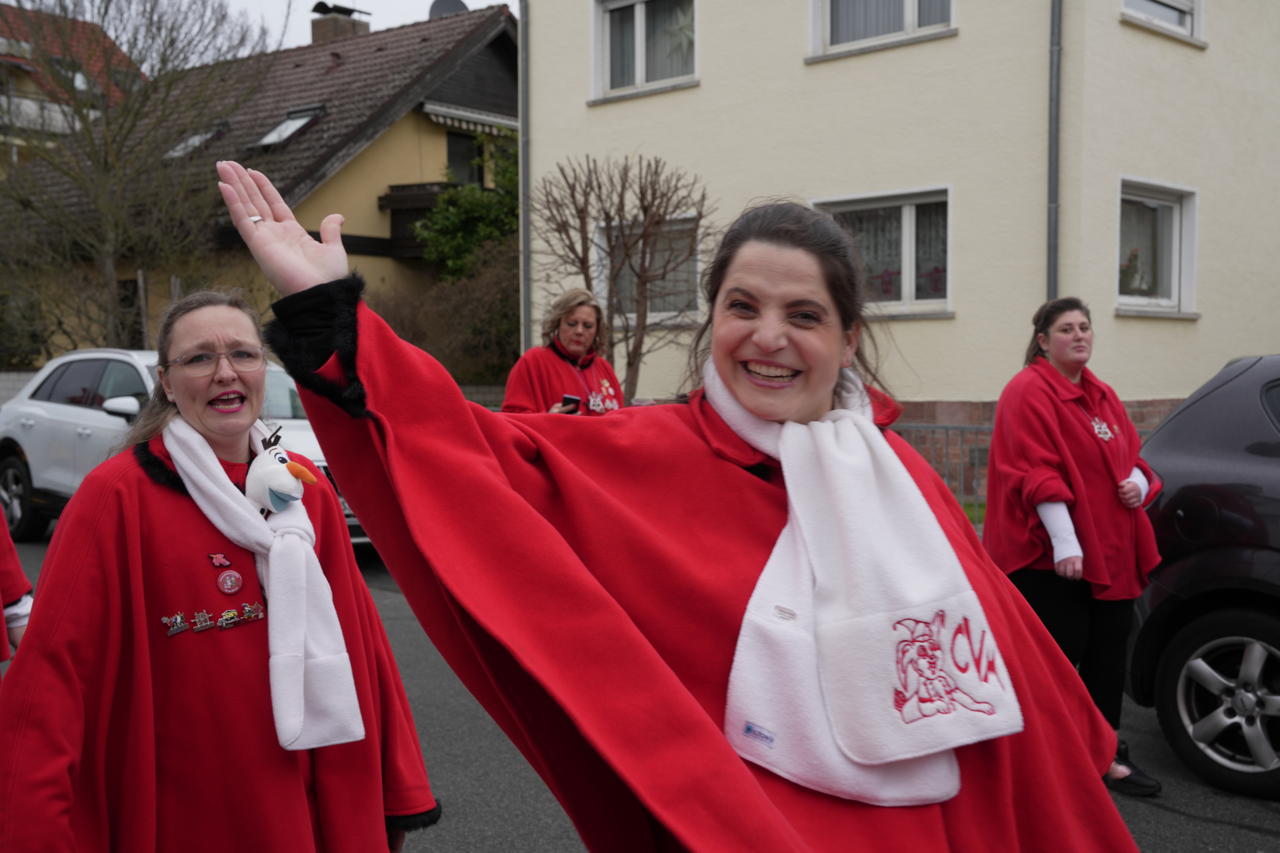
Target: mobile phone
pixel 571 402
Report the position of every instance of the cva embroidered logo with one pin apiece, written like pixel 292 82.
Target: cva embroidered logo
pixel 925 688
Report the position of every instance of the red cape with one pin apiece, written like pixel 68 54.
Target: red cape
pixel 115 735
pixel 543 375
pixel 13 581
pixel 586 579
pixel 1045 447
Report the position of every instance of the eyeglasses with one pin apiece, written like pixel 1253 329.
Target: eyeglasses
pixel 241 359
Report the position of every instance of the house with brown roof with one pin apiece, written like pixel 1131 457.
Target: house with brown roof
pixel 78 50
pixel 370 124
pixel 374 125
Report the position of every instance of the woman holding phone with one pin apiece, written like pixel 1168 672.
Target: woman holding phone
pixel 567 374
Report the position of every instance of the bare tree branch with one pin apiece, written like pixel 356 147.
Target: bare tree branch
pixel 631 230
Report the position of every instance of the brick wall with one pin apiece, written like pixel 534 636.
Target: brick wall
pixel 954 438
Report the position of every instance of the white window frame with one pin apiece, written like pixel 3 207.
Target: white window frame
pixel 1192 8
pixel 1180 259
pixel 601 286
pixel 602 8
pixel 820 35
pixel 291 125
pixel 906 200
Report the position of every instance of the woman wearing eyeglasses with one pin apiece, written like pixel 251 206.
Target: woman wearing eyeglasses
pixel 205 669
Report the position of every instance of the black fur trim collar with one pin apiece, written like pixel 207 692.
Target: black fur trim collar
pixel 155 468
pixel 410 822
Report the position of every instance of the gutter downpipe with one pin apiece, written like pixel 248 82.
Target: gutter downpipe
pixel 526 258
pixel 1055 110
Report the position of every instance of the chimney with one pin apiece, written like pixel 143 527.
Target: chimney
pixel 336 22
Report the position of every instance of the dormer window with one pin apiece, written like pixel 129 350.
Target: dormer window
pixel 295 120
pixel 14 47
pixel 194 142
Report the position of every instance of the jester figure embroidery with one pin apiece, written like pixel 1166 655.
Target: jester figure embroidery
pixel 925 689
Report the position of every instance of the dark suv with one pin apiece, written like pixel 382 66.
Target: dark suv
pixel 1206 650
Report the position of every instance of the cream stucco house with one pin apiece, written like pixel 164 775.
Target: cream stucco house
pixel 987 153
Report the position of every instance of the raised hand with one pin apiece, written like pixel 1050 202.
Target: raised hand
pixel 291 259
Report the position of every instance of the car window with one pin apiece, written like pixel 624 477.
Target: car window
pixel 45 391
pixel 121 379
pixel 1271 400
pixel 77 384
pixel 282 398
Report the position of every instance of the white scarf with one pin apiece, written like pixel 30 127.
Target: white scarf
pixel 313 694
pixel 864 657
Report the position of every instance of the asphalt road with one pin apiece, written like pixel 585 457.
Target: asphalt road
pixel 493 801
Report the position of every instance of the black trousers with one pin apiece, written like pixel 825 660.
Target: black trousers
pixel 1093 634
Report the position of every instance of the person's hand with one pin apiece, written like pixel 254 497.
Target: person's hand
pixel 562 409
pixel 15 634
pixel 1130 494
pixel 290 258
pixel 1072 568
pixel 395 840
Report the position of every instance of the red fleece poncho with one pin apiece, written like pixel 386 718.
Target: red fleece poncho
pixel 117 735
pixel 1055 440
pixel 586 579
pixel 543 375
pixel 13 581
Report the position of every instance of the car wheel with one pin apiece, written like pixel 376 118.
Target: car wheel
pixel 24 522
pixel 1218 700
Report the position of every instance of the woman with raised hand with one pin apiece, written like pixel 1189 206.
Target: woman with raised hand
pixel 204 668
pixel 754 620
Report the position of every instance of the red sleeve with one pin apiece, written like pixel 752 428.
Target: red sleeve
pixel 13 581
pixel 428 476
pixel 406 789
pixel 523 393
pixel 64 685
pixel 1025 442
pixel 1024 468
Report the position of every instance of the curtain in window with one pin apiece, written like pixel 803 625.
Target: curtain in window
pixel 1139 249
pixel 878 233
pixel 852 20
pixel 1163 12
pixel 678 290
pixel 668 39
pixel 931 250
pixel 622 47
pixel 934 12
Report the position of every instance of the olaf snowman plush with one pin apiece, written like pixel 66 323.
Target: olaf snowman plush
pixel 274 480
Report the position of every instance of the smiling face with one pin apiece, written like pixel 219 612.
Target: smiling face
pixel 1069 343
pixel 776 336
pixel 577 330
pixel 222 406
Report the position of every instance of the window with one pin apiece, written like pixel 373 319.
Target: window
pixel 670 261
pixel 1156 228
pixel 122 380
pixel 465 164
pixel 850 21
pixel 194 142
pixel 1180 16
pixel 903 241
pixel 294 122
pixel 644 43
pixel 75 384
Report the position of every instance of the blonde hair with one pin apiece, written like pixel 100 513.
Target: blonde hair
pixel 155 415
pixel 565 304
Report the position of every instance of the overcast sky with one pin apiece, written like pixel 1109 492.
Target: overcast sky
pixel 383 14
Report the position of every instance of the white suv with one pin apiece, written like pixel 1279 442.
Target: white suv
pixel 74 413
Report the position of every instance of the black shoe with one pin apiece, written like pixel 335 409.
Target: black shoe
pixel 1137 783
